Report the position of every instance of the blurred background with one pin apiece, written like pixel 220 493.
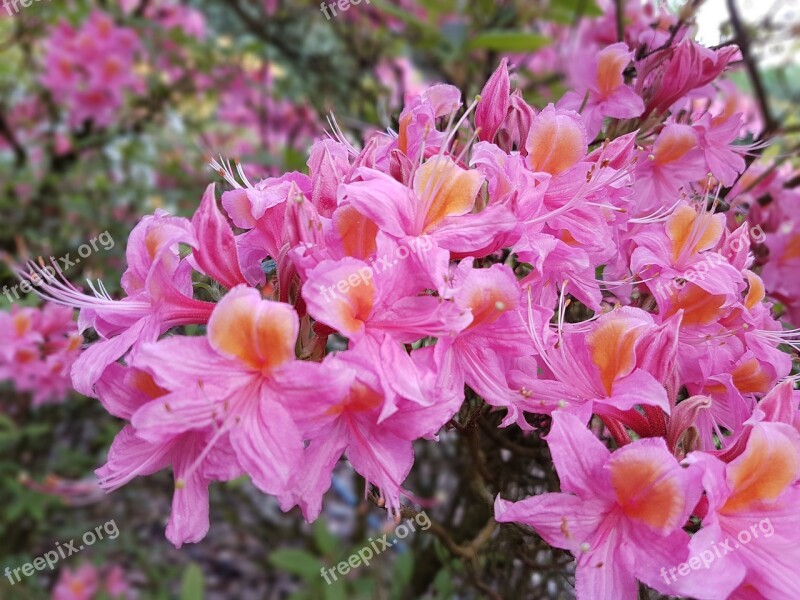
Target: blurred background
pixel 112 110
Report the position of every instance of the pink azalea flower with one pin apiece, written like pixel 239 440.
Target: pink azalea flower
pixel 494 104
pixel 616 363
pixel 261 210
pixel 665 77
pixel 89 69
pixel 678 249
pixel 88 583
pixel 80 584
pixel 377 444
pixel 620 514
pixel 196 457
pixel 715 136
pixel 233 384
pixel 37 350
pixel 439 207
pixel 417 131
pixel 358 299
pixel 476 354
pixel 158 284
pixel 675 159
pixel 748 541
pixel 115 584
pixel 600 89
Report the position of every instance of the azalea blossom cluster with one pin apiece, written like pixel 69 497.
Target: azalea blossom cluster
pixel 87 582
pixel 578 261
pixel 169 14
pixel 37 350
pixel 90 68
pixel 253 120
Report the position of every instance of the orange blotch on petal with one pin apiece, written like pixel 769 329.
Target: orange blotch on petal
pixel 358 233
pixel 756 292
pixel 360 399
pixel 152 241
pixel 768 466
pixel 556 142
pixel 699 307
pixel 22 324
pixel 144 383
pixel 691 232
pixel 25 356
pixel 749 377
pixel 355 305
pixel 647 490
pixel 792 250
pixel 612 348
pixel 74 342
pixel 402 137
pixel 275 339
pixel 610 66
pixel 259 333
pixel 488 305
pixel 673 143
pixel 77 587
pixel 446 189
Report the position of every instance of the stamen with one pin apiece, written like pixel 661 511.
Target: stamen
pixel 225 171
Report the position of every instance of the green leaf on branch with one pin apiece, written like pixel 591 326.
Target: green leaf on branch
pixel 508 41
pixel 326 542
pixel 567 11
pixel 297 562
pixel 193 585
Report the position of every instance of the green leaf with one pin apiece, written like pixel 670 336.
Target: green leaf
pixel 443 583
pixel 326 542
pixel 403 570
pixel 364 587
pixel 335 591
pixel 297 562
pixel 193 585
pixel 565 11
pixel 7 423
pixel 508 41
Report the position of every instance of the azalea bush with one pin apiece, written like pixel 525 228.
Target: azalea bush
pixel 549 309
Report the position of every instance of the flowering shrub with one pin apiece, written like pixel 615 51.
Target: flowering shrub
pixel 603 285
pixel 86 583
pixel 574 262
pixel 89 69
pixel 37 350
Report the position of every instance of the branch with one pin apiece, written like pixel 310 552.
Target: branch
pixel 468 552
pixel 20 155
pixel 140 10
pixel 514 447
pixel 752 70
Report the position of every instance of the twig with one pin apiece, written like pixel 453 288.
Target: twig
pixel 19 151
pixel 752 70
pixel 468 551
pixel 517 449
pixel 620 14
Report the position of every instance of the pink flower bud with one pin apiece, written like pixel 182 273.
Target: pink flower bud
pixel 494 103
